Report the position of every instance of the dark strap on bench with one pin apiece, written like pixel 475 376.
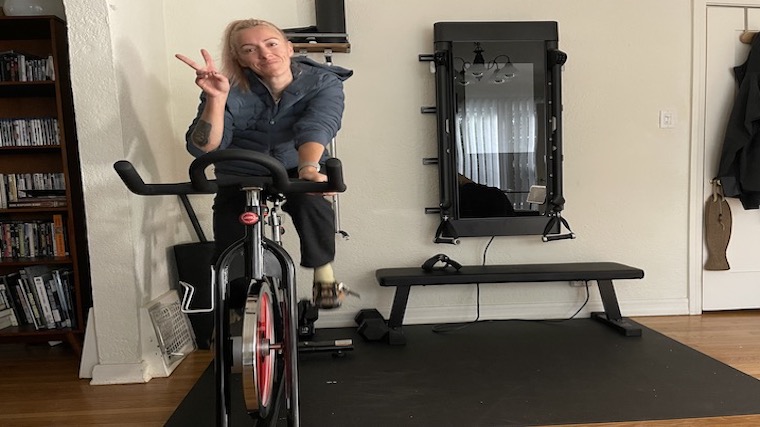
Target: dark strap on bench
pixel 430 264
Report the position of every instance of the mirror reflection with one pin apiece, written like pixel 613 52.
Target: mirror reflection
pixel 499 145
pixel 498 105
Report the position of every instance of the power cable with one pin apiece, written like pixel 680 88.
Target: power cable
pixel 451 327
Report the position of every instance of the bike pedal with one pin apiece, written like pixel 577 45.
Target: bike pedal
pixel 345 289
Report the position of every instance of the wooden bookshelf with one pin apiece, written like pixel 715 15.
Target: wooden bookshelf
pixel 49 98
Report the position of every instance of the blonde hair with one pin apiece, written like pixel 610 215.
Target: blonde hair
pixel 230 65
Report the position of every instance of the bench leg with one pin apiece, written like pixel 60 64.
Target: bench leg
pixel 396 319
pixel 611 315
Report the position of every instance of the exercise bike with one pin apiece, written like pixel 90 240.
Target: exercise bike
pixel 267 351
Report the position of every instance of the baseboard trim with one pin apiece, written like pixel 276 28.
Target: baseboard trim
pixel 126 373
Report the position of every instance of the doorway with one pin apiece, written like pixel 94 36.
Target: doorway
pixel 738 287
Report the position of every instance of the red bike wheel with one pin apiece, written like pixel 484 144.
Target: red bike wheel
pixel 259 352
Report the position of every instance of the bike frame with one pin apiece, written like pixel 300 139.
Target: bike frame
pixel 254 249
pixel 254 246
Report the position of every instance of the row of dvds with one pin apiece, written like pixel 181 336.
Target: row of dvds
pixel 29 132
pixel 40 189
pixel 33 238
pixel 23 67
pixel 41 296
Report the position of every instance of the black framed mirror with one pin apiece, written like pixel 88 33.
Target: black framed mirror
pixel 498 103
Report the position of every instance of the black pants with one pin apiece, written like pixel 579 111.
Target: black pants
pixel 312 215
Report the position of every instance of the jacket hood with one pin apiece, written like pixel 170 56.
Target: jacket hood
pixel 303 61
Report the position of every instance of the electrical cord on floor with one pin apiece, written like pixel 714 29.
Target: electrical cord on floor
pixel 451 327
pixel 582 305
pixel 561 320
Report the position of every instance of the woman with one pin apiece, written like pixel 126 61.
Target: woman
pixel 265 100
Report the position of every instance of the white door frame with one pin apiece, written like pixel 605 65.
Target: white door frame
pixel 696 175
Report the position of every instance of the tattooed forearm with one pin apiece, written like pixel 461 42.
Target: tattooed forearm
pixel 201 133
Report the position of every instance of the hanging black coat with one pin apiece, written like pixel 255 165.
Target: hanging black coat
pixel 739 168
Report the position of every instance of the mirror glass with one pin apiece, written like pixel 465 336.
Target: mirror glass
pixel 498 108
pixel 499 146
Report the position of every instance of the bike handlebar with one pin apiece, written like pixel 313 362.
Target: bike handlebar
pixel 281 183
pixel 277 182
pixel 135 183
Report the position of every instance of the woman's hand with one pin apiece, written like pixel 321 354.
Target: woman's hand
pixel 213 83
pixel 311 174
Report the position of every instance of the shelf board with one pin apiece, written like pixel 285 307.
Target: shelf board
pixel 23 262
pixel 321 47
pixel 34 210
pixel 26 148
pixel 27 89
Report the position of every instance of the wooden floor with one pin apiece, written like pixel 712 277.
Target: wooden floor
pixel 39 385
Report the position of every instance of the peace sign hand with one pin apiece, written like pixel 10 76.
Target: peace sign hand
pixel 212 82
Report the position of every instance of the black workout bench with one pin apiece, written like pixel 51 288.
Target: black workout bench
pixel 601 272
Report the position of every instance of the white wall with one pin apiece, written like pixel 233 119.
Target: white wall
pixel 626 180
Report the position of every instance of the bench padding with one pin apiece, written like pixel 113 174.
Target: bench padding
pixel 566 272
pixel 602 272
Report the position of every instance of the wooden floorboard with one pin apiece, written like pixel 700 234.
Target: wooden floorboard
pixel 39 384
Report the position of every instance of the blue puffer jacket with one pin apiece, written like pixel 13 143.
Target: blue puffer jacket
pixel 310 109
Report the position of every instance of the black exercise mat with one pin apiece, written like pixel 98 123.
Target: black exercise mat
pixel 503 373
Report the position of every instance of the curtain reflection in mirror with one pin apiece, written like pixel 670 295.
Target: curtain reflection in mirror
pixel 496 144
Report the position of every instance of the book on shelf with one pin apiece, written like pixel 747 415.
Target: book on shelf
pixel 7 318
pixel 3 193
pixel 6 302
pixel 60 289
pixel 59 236
pixel 7 297
pixel 67 280
pixel 38 274
pixel 35 202
pixel 23 313
pixel 59 314
pixel 4 299
pixel 31 300
pixel 11 189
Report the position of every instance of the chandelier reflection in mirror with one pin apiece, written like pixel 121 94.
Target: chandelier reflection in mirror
pixel 496 71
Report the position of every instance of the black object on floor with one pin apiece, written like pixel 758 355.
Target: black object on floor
pixel 504 373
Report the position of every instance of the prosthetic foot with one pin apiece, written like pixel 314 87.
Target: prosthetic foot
pixel 329 295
